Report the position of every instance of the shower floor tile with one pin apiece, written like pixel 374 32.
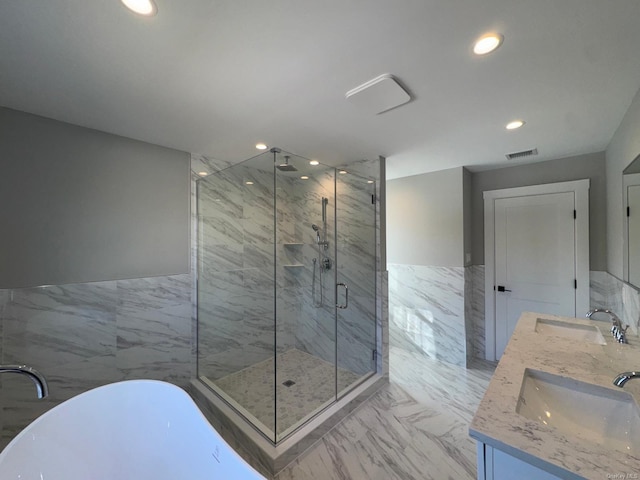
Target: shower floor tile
pixel 313 385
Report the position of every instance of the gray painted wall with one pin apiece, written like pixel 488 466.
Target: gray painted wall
pixel 425 219
pixel 623 148
pixel 590 166
pixel 79 205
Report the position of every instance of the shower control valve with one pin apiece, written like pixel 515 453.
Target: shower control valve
pixel 326 264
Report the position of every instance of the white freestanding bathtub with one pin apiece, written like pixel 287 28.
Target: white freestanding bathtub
pixel 138 429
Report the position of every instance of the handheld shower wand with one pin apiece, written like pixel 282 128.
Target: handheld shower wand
pixel 317 230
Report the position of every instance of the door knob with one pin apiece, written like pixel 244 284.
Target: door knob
pixel 502 289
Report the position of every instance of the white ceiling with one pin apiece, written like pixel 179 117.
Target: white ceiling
pixel 215 77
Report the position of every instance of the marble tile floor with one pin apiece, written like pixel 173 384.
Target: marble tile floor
pixel 416 427
pixel 314 385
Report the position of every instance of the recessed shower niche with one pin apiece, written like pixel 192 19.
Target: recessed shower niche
pixel 288 302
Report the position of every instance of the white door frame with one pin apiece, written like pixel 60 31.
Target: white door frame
pixel 628 180
pixel 580 189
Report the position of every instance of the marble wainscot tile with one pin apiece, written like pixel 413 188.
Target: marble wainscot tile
pixel 81 336
pixel 66 332
pixel 153 321
pixel 426 308
pixel 477 311
pixel 599 289
pixel 631 307
pixel 607 291
pixel 67 323
pixel 160 362
pixel 468 312
pixel 614 298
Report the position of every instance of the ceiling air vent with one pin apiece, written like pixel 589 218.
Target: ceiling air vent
pixel 522 154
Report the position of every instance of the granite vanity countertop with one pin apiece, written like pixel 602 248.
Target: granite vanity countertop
pixel 497 424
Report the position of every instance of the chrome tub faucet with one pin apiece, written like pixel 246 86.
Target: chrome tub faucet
pixel 42 389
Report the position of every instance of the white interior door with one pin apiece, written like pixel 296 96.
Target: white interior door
pixel 535 261
pixel 633 219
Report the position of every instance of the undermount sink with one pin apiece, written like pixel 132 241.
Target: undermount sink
pixel 576 331
pixel 577 409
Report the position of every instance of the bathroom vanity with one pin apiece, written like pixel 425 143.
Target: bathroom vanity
pixel 551 409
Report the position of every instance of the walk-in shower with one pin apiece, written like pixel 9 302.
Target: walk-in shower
pixel 286 288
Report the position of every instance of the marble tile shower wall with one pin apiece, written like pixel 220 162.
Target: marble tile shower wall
pixel 81 336
pixel 372 169
pixel 315 328
pixel 356 264
pixel 236 269
pixel 236 311
pixel 357 261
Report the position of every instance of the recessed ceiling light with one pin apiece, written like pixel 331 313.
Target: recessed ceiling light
pixel 141 7
pixel 314 162
pixel 203 174
pixel 369 181
pixel 248 182
pixel 515 124
pixel 342 172
pixel 261 146
pixel 304 177
pixel 487 43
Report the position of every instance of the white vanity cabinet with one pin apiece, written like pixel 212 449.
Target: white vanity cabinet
pixel 494 464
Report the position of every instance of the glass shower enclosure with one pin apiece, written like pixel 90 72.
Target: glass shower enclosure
pixel 286 287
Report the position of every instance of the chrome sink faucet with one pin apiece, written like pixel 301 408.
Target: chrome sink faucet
pixel 617 330
pixel 38 379
pixel 624 377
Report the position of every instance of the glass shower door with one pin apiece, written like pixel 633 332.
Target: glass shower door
pixel 356 281
pixel 236 312
pixel 305 250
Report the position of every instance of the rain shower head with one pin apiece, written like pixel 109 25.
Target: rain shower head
pixel 286 166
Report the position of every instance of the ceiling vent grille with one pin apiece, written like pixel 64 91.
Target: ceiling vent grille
pixel 522 154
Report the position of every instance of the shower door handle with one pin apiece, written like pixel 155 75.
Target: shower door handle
pixel 346 295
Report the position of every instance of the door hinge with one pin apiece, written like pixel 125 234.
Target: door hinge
pixel 628 212
pixel 575 283
pixel 575 214
pixel 373 199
